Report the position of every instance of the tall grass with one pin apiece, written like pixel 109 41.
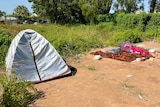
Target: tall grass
pixel 76 39
pixel 5 40
pixel 68 40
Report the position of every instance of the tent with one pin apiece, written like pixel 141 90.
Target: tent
pixel 33 58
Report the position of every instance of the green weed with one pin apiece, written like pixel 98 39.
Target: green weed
pixel 15 92
pixel 92 68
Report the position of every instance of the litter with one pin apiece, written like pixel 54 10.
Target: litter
pixel 126 52
pixel 151 50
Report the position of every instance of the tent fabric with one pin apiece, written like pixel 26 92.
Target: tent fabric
pixel 33 58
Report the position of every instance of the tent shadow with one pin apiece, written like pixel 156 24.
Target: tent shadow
pixel 36 96
pixel 73 70
pixel 73 73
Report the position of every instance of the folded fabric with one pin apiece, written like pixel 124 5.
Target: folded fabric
pixel 137 50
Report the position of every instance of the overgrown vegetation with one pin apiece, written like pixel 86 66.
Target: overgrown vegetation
pixel 70 40
pixel 5 40
pixel 15 93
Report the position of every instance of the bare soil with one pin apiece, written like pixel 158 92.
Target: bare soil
pixel 105 83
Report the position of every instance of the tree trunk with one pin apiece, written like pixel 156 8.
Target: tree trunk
pixel 109 6
pixel 152 5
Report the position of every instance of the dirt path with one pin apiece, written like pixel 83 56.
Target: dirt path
pixel 105 83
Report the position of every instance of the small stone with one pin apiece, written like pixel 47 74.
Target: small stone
pixel 128 75
pixel 151 59
pixel 97 57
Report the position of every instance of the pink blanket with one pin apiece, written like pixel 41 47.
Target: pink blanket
pixel 134 49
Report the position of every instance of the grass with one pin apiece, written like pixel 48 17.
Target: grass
pixel 78 39
pixel 68 40
pixel 91 68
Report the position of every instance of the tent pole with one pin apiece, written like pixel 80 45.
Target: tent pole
pixel 35 61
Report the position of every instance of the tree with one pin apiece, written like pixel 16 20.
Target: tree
pixel 92 8
pixel 89 9
pixel 128 6
pixel 104 6
pixel 154 5
pixel 58 11
pixel 21 11
pixel 2 13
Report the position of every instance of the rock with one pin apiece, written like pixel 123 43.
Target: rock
pixel 97 57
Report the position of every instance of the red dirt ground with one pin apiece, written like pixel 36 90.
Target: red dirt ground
pixel 105 83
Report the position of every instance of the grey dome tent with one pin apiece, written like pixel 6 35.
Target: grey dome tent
pixel 33 58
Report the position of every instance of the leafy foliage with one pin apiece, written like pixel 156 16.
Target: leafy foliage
pixel 128 6
pixel 15 92
pixel 127 35
pixel 89 9
pixel 59 11
pixel 133 21
pixel 22 11
pixel 5 40
pixel 80 11
pixel 154 22
pixel 104 6
pixel 70 40
pixel 2 13
pixel 106 18
pixel 71 11
pixel 154 5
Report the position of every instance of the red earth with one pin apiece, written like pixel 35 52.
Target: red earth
pixel 105 83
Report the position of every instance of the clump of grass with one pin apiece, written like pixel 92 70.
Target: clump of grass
pixel 126 85
pixel 92 68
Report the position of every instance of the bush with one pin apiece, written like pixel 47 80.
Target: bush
pixel 5 40
pixel 70 46
pixel 133 37
pixel 106 27
pixel 70 40
pixel 133 21
pixel 128 35
pixel 154 22
pixel 15 92
pixel 106 18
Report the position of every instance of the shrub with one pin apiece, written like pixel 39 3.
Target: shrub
pixel 133 21
pixel 128 35
pixel 143 21
pixel 106 27
pixel 133 37
pixel 5 40
pixel 70 46
pixel 15 92
pixel 154 22
pixel 106 18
